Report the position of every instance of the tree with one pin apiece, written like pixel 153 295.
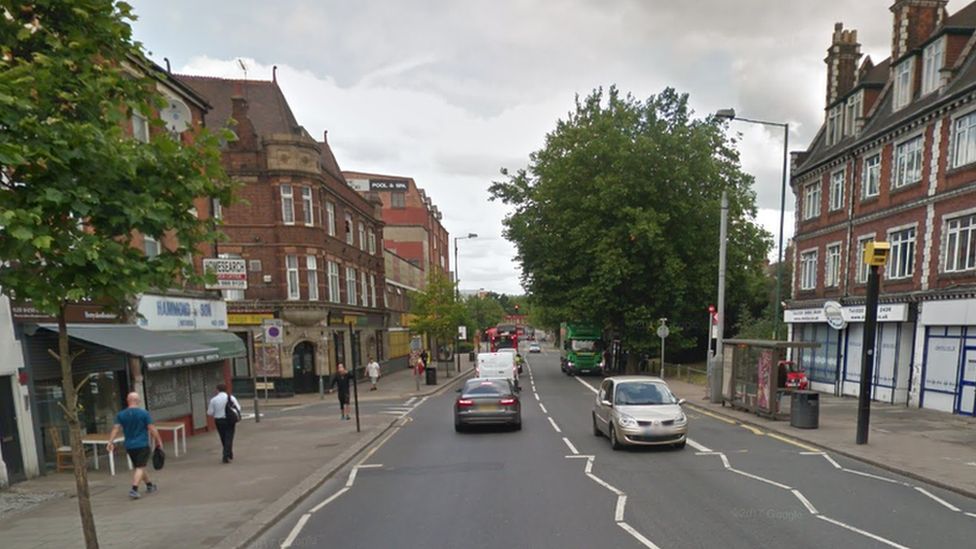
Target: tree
pixel 482 312
pixel 435 310
pixel 616 220
pixel 74 189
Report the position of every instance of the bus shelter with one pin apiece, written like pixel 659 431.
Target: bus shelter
pixel 753 370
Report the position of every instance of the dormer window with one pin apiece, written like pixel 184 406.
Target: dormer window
pixel 903 84
pixel 933 59
pixel 854 111
pixel 835 124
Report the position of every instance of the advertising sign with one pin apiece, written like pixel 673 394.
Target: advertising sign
pixel 765 367
pixel 388 185
pixel 834 314
pixel 231 274
pixel 268 360
pixel 75 313
pixel 160 313
pixel 462 332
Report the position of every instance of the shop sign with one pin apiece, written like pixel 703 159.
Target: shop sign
pixel 834 314
pixel 388 185
pixel 248 319
pixel 893 312
pixel 160 313
pixel 803 315
pixel 75 313
pixel 231 274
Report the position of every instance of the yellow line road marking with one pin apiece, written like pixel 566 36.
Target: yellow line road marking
pixel 796 443
pixel 711 415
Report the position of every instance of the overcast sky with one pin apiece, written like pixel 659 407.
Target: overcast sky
pixel 449 91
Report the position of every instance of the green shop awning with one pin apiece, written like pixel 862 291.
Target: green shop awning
pixel 157 349
pixel 227 344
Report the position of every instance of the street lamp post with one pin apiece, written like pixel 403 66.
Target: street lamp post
pixel 457 295
pixel 729 114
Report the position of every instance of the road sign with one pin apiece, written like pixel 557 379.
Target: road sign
pixel 231 273
pixel 663 331
pixel 462 332
pixel 274 331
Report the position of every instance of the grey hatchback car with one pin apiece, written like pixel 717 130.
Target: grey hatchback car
pixel 639 411
pixel 487 402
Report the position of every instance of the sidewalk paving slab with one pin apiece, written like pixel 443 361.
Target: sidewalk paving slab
pixel 925 445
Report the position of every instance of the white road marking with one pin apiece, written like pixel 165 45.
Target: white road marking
pixel 970 515
pixel 291 408
pixel 393 413
pixel 618 514
pixel 554 426
pixel 812 453
pixel 329 500
pixel 295 531
pixel 637 535
pixel 760 479
pixel 944 503
pixel 400 408
pixel 352 476
pixel 409 401
pixel 570 444
pixel 862 532
pixel 725 460
pixel 589 466
pixel 536 396
pixel 806 503
pixel 832 461
pixel 370 466
pixel 697 446
pixel 543 406
pixel 579 456
pixel 876 477
pixel 605 484
pixel 585 384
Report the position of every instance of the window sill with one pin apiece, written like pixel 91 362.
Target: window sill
pixel 895 190
pixel 868 200
pixel 957 275
pixel 960 169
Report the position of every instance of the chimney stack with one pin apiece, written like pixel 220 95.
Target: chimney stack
pixel 842 61
pixel 246 136
pixel 914 21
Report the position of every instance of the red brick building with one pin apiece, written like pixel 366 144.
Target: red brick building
pixel 310 241
pixel 895 161
pixel 412 223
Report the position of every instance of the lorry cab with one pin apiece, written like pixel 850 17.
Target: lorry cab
pixel 497 366
pixel 582 349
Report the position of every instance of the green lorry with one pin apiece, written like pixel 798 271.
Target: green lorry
pixel 582 349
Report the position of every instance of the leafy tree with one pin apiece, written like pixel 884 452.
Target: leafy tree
pixel 616 220
pixel 436 311
pixel 74 189
pixel 482 312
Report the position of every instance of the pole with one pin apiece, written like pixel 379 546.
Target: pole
pixel 355 385
pixel 782 214
pixel 321 388
pixel 662 358
pixel 254 383
pixel 867 357
pixel 718 361
pixel 457 299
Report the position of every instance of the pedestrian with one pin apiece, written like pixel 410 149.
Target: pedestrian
pixel 137 426
pixel 373 371
pixel 226 412
pixel 425 356
pixel 340 381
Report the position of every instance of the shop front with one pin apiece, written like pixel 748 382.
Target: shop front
pixel 947 333
pixel 835 365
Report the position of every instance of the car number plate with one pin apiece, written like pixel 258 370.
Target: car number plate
pixel 488 408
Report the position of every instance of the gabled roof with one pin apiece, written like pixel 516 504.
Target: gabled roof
pixel 964 18
pixel 267 107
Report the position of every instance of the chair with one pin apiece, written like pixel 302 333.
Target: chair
pixel 64 459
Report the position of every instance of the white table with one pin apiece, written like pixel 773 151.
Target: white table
pixel 96 439
pixel 174 427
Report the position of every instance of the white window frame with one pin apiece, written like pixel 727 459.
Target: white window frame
pixel 218 210
pixel 153 244
pixel 853 112
pixel 363 290
pixel 959 235
pixel 335 292
pixel 140 127
pixel 372 291
pixel 933 59
pixel 291 277
pixel 811 207
pixel 307 207
pixel 871 185
pixel 902 95
pixel 362 236
pixel 808 269
pixel 312 274
pixel 350 286
pixel 837 190
pixel 350 237
pixel 907 168
pixel 862 268
pixel 372 242
pixel 901 244
pixel 398 199
pixel 835 124
pixel 964 139
pixel 832 260
pixel 330 211
pixel 287 204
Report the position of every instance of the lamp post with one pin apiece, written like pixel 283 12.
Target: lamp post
pixel 457 295
pixel 729 114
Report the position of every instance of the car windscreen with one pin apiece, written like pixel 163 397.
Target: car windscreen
pixel 585 345
pixel 642 394
pixel 485 388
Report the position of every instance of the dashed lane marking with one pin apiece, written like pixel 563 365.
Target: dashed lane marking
pixel 570 445
pixel 543 407
pixel 536 396
pixel 554 426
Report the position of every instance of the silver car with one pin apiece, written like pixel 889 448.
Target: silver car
pixel 639 411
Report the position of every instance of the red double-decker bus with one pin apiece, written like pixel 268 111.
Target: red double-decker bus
pixel 503 336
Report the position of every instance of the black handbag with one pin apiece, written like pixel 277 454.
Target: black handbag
pixel 158 458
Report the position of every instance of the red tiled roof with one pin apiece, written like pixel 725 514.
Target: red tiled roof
pixel 267 107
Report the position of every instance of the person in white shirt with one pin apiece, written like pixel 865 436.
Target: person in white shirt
pixel 226 412
pixel 373 371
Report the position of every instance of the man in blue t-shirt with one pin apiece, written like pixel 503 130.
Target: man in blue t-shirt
pixel 137 425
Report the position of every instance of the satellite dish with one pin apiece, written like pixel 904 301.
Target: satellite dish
pixel 176 115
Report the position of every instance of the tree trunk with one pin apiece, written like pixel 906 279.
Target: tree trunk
pixel 74 429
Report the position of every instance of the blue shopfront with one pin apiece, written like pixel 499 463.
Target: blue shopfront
pixel 948 362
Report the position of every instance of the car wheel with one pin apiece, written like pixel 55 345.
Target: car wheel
pixel 614 441
pixel 518 425
pixel 458 428
pixel 596 428
pixel 680 445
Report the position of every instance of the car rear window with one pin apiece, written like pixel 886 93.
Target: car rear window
pixel 486 388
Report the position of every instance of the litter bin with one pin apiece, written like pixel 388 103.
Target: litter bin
pixel 472 356
pixel 805 409
pixel 431 375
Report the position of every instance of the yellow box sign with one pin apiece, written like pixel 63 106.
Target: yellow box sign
pixel 248 319
pixel 876 253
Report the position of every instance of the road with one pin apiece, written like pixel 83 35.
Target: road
pixel 554 484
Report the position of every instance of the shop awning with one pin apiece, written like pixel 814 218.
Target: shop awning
pixel 227 344
pixel 157 349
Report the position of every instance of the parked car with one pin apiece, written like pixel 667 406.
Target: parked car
pixel 487 402
pixel 535 347
pixel 639 411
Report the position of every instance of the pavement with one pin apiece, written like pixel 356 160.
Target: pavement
pixel 930 446
pixel 299 443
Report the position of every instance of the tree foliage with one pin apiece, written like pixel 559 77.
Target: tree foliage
pixel 482 312
pixel 435 310
pixel 616 219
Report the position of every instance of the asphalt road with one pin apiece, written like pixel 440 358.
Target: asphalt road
pixel 554 484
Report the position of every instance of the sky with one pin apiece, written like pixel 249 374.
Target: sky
pixel 450 91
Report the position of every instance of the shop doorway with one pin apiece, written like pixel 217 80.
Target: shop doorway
pixel 339 344
pixel 967 384
pixel 303 364
pixel 9 435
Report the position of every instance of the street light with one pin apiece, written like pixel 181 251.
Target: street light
pixel 457 295
pixel 729 114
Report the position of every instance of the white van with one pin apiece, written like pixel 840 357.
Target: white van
pixel 497 366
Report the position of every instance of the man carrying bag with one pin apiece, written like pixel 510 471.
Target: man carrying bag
pixel 226 412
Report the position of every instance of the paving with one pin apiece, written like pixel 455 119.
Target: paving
pixel 202 502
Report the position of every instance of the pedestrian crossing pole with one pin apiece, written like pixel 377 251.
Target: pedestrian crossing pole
pixel 355 385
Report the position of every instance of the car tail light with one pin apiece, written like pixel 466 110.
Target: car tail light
pixel 507 401
pixel 464 403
